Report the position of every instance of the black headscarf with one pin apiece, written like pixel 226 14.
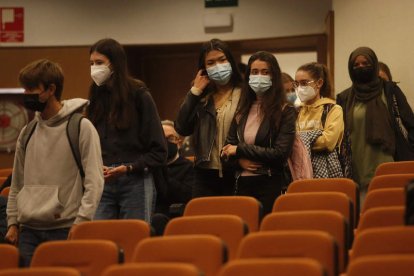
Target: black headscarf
pixel 379 130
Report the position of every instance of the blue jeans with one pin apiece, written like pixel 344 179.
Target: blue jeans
pixel 30 239
pixel 128 197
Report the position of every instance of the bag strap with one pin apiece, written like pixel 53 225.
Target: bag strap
pixel 73 132
pixel 326 109
pixel 28 131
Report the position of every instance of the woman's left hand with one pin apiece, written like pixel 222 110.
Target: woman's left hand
pixel 113 173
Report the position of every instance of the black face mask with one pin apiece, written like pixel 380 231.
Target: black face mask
pixel 363 74
pixel 172 150
pixel 31 102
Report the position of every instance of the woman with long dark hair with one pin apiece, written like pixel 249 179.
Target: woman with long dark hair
pixel 206 114
pixel 132 139
pixel 262 133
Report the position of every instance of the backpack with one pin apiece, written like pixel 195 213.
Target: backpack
pixel 344 149
pixel 72 132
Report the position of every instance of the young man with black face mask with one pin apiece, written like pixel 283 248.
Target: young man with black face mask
pixel 48 193
pixel 378 117
pixel 176 180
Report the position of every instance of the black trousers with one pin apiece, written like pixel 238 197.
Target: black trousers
pixel 262 187
pixel 208 183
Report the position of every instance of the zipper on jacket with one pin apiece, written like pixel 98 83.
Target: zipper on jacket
pixel 236 183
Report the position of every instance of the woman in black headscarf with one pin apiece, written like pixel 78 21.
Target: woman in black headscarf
pixel 377 116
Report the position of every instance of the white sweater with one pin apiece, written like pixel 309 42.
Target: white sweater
pixel 47 190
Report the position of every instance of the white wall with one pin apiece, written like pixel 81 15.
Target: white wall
pixel 383 25
pixel 82 22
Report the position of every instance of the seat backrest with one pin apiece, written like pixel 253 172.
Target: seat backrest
pixel 401 265
pixel 152 269
pixel 333 201
pixel 273 266
pixel 342 185
pixel 382 241
pixel 390 181
pixel 313 244
pixel 90 257
pixel 9 256
pixel 5 192
pixel 126 233
pixel 395 168
pixel 381 217
pixel 207 252
pixel 248 208
pixel 384 197
pixel 330 222
pixel 6 172
pixel 230 228
pixel 40 271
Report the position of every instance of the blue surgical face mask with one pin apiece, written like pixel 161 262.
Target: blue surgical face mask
pixel 220 73
pixel 291 97
pixel 260 83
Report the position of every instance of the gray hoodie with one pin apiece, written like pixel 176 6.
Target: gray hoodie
pixel 47 190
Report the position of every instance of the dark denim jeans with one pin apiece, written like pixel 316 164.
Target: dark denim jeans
pixel 30 239
pixel 128 197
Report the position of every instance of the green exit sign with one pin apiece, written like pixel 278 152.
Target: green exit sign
pixel 220 3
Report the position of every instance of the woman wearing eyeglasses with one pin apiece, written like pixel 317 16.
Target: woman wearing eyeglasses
pixel 261 135
pixel 320 121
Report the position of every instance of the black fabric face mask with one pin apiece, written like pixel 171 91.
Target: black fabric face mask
pixel 31 102
pixel 363 74
pixel 172 150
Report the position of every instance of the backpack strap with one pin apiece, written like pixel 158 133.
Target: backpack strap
pixel 326 109
pixel 73 132
pixel 28 131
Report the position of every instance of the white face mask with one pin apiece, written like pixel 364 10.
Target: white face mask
pixel 305 93
pixel 100 73
pixel 260 83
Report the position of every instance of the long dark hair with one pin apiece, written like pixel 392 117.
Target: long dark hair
pixel 112 101
pixel 274 99
pixel 319 71
pixel 219 45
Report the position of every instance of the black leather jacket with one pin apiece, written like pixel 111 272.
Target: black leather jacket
pixel 198 118
pixel 271 147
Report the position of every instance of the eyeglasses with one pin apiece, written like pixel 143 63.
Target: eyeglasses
pixel 302 83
